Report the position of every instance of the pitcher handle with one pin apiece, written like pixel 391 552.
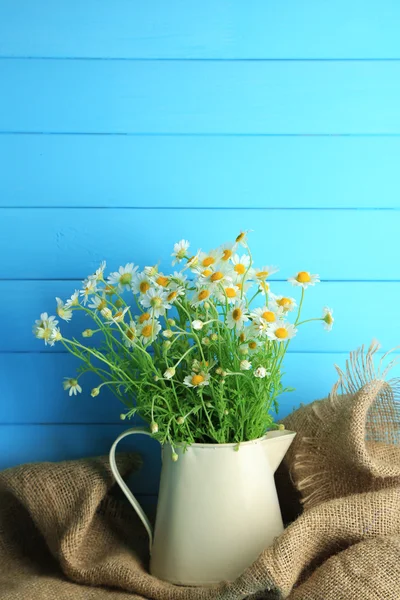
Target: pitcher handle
pixel 140 512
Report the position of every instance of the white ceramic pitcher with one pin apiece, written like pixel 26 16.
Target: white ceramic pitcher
pixel 217 508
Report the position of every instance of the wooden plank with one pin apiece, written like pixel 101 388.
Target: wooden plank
pixel 34 443
pixel 181 171
pixel 211 97
pixel 357 308
pixel 70 243
pixel 32 391
pixel 38 397
pixel 191 29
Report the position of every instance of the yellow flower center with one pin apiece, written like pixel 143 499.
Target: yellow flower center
pixel 239 268
pixel 109 290
pixel 230 292
pixel 240 237
pixel 102 304
pixel 217 276
pixel 181 253
pixel 262 274
pixel 242 337
pixel 328 319
pixel 156 302
pixel 73 382
pixel 269 316
pixel 144 317
pixel 226 254
pixel 204 294
pixel 281 333
pixel 131 334
pixel 252 345
pixel 47 333
pixel 172 296
pixel 144 286
pixel 118 315
pixel 207 272
pixel 197 379
pixel 303 277
pixel 161 280
pixel 236 314
pixel 284 302
pixel 208 261
pixel 126 278
pixel 146 331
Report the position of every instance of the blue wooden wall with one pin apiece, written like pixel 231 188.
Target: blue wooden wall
pixel 127 125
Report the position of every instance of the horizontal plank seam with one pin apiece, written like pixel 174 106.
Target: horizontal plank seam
pixel 205 208
pixel 307 59
pixel 78 279
pixel 65 352
pixel 202 134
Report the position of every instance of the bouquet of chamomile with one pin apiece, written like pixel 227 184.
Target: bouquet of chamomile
pixel 197 353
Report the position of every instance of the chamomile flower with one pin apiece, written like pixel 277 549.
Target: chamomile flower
pixel 89 288
pixel 97 303
pixel 98 274
pixel 284 303
pixel 174 291
pixel 44 328
pixel 237 316
pixel 161 280
pixel 196 380
pixel 193 261
pixel 200 296
pixel 240 264
pixel 145 316
pixel 264 272
pixel 156 300
pixel 177 278
pixel 245 365
pixel 72 385
pixel 229 293
pixel 151 271
pixel 304 279
pixel 180 251
pixel 73 301
pixel 227 250
pixel 123 277
pixel 242 237
pixel 170 372
pixel 55 336
pixel 149 331
pixel 141 283
pixel 197 324
pixel 118 316
pixel 209 259
pixel 281 331
pixel 243 287
pixel 63 311
pixel 253 345
pixel 263 314
pixel 327 317
pixel 130 335
pixel 222 274
pixel 261 372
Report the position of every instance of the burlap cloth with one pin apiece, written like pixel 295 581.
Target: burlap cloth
pixel 64 536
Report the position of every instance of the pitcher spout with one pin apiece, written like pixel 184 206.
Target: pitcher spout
pixel 277 444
